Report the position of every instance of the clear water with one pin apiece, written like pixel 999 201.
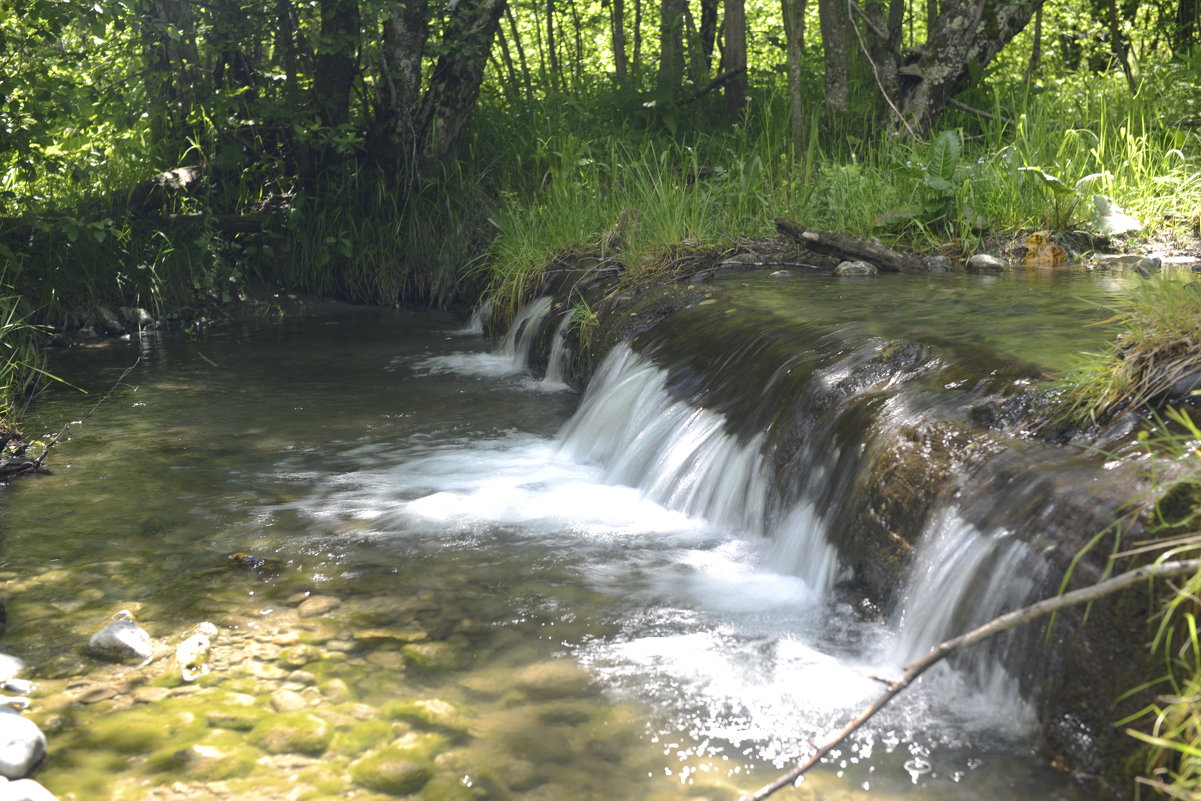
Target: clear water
pixel 393 463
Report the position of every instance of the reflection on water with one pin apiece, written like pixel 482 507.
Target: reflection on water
pixel 469 559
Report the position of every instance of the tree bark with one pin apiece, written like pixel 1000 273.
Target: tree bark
pixel 963 39
pixel 455 82
pixel 671 47
pixel 793 12
pixel 835 31
pixel 552 51
pixel 398 85
pixel 708 30
pixel 335 68
pixel 618 24
pixel 733 56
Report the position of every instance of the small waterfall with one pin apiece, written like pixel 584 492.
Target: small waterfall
pixel 961 578
pixel 682 457
pixel 475 324
pixel 560 354
pixel 519 339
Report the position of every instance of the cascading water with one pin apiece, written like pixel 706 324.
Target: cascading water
pixel 518 341
pixel 560 354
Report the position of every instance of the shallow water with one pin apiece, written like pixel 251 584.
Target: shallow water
pixel 591 641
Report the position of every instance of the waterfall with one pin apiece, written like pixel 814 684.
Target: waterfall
pixel 475 324
pixel 682 457
pixel 519 339
pixel 560 354
pixel 961 578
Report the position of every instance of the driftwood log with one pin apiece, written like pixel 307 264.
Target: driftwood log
pixel 848 248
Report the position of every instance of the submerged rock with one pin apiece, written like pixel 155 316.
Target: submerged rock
pixel 22 744
pixel 123 640
pixel 397 771
pixel 292 733
pixel 855 268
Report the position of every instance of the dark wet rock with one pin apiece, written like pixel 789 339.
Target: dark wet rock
pixel 123 640
pixel 293 732
pixel 1146 267
pixel 24 790
pixel 86 333
pixel 112 328
pixel 985 263
pixel 135 318
pixel 22 744
pixel 396 771
pixel 937 264
pixel 855 268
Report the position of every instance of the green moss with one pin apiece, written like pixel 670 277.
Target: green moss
pixel 399 771
pixel 431 655
pixel 432 714
pixel 361 737
pixel 293 732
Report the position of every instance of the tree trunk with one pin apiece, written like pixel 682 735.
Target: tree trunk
pixel 636 72
pixel 1036 46
pixel 1188 19
pixel 1119 46
pixel 617 22
pixel 835 30
pixel 398 86
pixel 336 71
pixel 793 12
pixel 733 55
pixel 671 47
pixel 551 50
pixel 708 30
pixel 963 40
pixel 521 59
pixel 455 81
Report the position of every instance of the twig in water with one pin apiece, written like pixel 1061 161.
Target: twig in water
pixel 57 438
pixel 977 635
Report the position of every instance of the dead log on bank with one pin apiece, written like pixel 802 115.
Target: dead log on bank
pixel 848 248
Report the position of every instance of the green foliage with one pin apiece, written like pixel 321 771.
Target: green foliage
pixel 1160 344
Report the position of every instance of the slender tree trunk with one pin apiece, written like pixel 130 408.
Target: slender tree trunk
pixel 513 86
pixel 551 50
pixel 398 85
pixel 835 31
pixel 671 47
pixel 521 59
pixel 577 66
pixel 455 82
pixel 709 10
pixel 698 71
pixel 793 12
pixel 1188 19
pixel 1119 45
pixel 617 22
pixel 1036 46
pixel 636 73
pixel 734 55
pixel 336 71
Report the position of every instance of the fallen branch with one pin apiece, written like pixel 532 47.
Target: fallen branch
pixel 848 247
pixel 990 629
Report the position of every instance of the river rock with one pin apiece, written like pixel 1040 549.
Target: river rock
pixel 316 605
pixel 780 274
pixel 559 678
pixel 937 264
pixel 431 655
pixel 24 790
pixel 396 771
pixel 135 317
pixel 22 744
pixel 429 713
pixel 984 263
pixel 288 701
pixel 292 733
pixel 123 640
pixel 855 268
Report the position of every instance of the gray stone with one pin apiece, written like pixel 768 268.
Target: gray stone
pixel 937 264
pixel 113 329
pixel 855 268
pixel 318 605
pixel 135 317
pixel 123 640
pixel 1147 267
pixel 25 790
pixel 984 263
pixel 288 701
pixel 780 274
pixel 22 744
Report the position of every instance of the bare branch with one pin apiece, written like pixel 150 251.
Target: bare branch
pixel 990 629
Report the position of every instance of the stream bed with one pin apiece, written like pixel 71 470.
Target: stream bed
pixel 459 601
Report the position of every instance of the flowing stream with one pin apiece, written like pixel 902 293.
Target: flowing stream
pixel 597 597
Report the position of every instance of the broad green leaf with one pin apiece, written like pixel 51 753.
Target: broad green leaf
pixel 944 159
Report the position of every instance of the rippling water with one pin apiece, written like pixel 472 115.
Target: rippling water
pixel 395 464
